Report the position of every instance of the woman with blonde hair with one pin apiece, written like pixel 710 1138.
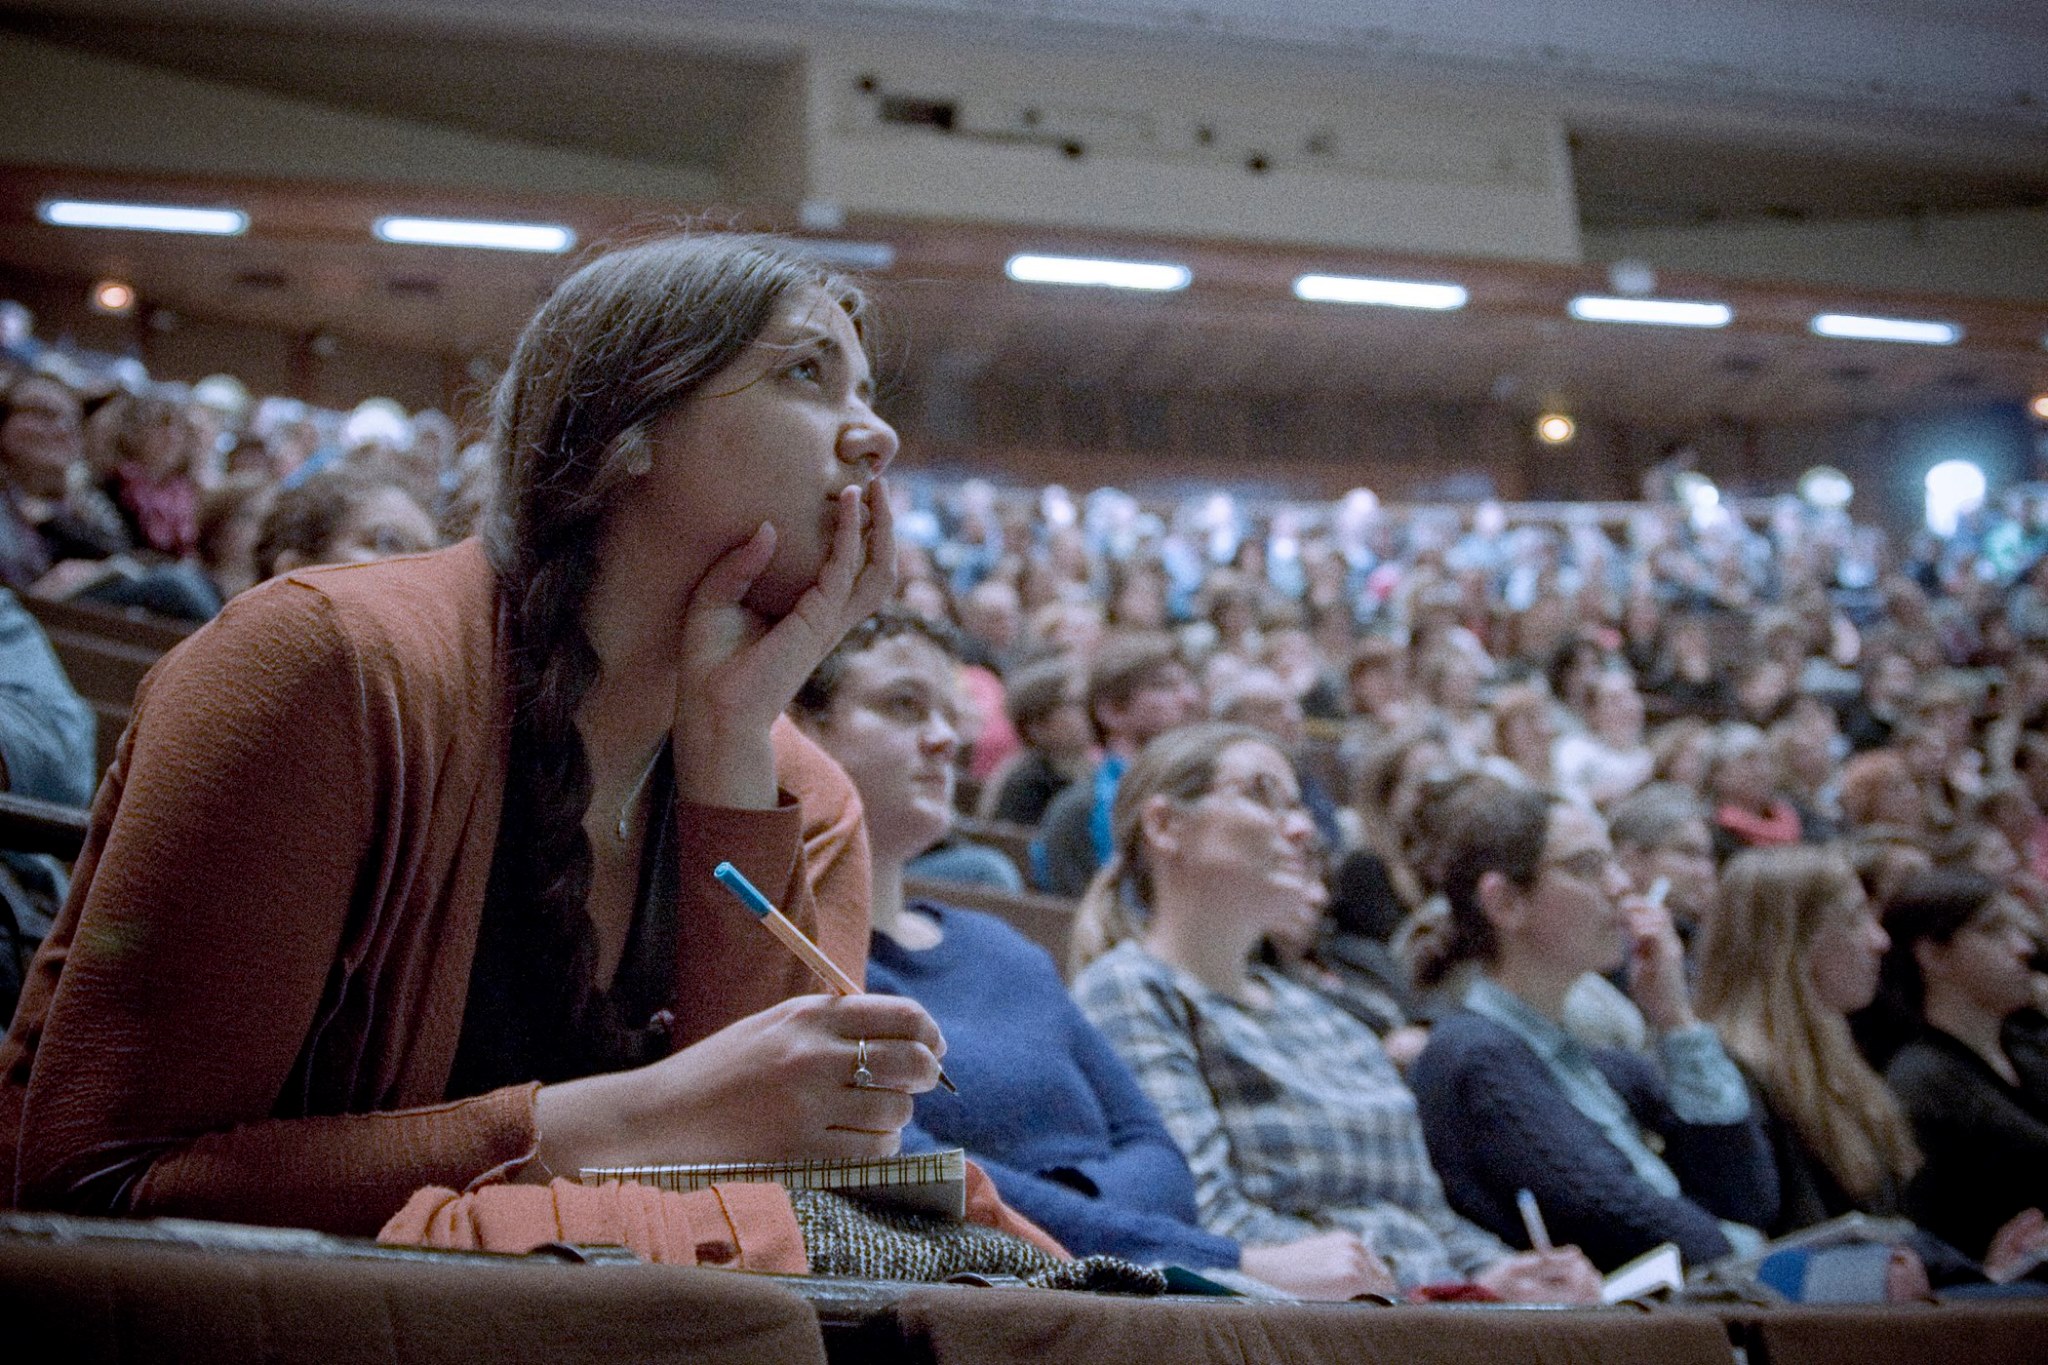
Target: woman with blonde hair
pixel 1293 1120
pixel 1794 948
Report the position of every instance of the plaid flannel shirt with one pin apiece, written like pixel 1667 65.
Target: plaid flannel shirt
pixel 1292 1118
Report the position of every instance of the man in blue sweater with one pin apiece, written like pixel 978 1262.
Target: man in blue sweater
pixel 1045 1107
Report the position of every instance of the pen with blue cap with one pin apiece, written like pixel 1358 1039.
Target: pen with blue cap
pixel 793 938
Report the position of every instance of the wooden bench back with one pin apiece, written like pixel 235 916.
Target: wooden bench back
pixel 105 652
pixel 1047 921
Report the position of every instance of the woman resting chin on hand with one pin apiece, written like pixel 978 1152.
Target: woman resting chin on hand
pixel 403 876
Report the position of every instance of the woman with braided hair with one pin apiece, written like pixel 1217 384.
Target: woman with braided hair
pixel 401 876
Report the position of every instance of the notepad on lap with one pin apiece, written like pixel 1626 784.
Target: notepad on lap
pixel 923 1182
pixel 1657 1269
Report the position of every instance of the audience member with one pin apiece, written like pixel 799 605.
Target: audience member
pixel 1742 781
pixel 338 517
pixel 1792 952
pixel 1608 759
pixel 1046 705
pixel 1293 1120
pixel 1974 1079
pixel 1046 1107
pixel 46 752
pixel 1137 689
pixel 408 841
pixel 1511 1102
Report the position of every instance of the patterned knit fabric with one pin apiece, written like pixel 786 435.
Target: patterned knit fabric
pixel 844 1236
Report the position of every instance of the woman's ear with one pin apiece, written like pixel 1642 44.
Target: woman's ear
pixel 1500 900
pixel 1159 820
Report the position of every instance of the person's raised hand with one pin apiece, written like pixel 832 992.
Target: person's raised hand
pixel 2017 1247
pixel 739 669
pixel 1656 966
pixel 779 1085
pixel 1329 1265
pixel 1560 1276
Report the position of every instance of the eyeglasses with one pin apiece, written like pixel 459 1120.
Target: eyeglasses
pixel 1588 865
pixel 1265 792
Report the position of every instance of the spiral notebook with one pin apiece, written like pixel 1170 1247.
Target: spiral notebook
pixel 922 1182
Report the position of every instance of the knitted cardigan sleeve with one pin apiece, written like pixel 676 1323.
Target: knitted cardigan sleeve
pixel 236 850
pixel 1496 1123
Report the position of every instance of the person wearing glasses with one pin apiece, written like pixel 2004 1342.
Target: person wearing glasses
pixel 1294 1121
pixel 1622 1151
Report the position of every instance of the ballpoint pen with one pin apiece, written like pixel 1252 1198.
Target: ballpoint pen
pixel 794 939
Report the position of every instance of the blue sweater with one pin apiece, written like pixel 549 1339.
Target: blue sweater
pixel 1497 1122
pixel 1045 1107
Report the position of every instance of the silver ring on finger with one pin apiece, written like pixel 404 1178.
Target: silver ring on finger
pixel 863 1079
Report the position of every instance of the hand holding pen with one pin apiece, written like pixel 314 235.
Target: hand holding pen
pixel 809 953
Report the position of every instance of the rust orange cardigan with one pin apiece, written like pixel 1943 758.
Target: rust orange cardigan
pixel 249 1007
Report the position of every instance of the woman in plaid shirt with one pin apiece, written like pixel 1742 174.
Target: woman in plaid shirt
pixel 1292 1118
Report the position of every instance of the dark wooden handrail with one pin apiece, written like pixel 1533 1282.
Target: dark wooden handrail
pixel 31 826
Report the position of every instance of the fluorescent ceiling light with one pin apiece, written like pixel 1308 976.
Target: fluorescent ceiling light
pixel 1885 329
pixel 546 237
pixel 143 217
pixel 1657 312
pixel 1387 293
pixel 1113 274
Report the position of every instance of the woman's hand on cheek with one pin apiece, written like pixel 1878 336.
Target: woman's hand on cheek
pixel 857 577
pixel 1656 967
pixel 778 1085
pixel 740 669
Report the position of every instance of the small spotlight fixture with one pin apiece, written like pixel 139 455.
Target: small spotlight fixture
pixel 1439 298
pixel 94 213
pixel 546 238
pixel 1856 327
pixel 1554 428
pixel 1155 276
pixel 113 297
pixel 1653 312
pixel 2039 407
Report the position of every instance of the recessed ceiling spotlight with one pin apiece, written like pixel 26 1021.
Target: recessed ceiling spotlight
pixel 1632 277
pixel 113 296
pixel 1554 428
